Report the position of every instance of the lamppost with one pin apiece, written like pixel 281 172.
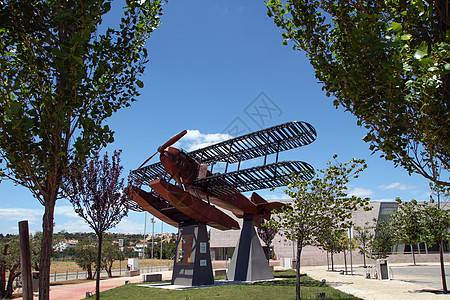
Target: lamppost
pixel 161 241
pixel 143 242
pixel 153 236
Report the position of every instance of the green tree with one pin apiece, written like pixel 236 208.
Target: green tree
pixel 99 196
pixel 61 78
pixel 406 224
pixel 431 222
pixel 319 205
pixel 86 256
pixel 266 233
pixel 347 246
pixel 9 262
pixel 440 193
pixel 363 235
pixel 388 63
pixel 329 239
pixel 110 253
pixel 380 246
pixel 437 230
pixel 35 248
pixel 169 249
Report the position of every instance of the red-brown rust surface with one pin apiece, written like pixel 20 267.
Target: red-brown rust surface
pixel 192 206
pixel 149 203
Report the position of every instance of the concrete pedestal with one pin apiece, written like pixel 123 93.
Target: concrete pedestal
pixel 192 265
pixel 249 263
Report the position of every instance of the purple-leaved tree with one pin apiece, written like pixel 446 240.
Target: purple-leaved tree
pixel 98 195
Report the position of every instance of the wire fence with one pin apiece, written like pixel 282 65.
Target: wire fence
pixel 58 277
pixel 79 275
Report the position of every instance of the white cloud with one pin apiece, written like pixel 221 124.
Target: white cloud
pixel 276 196
pixel 128 226
pixel 66 211
pixel 397 186
pixel 19 214
pixel 360 192
pixel 194 139
pixel 73 226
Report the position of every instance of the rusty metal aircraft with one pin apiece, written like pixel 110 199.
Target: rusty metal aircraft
pixel 184 187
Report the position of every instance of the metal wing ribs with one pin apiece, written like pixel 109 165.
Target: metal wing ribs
pixel 146 174
pixel 256 178
pixel 264 142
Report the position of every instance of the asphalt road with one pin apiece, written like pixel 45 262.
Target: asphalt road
pixel 424 274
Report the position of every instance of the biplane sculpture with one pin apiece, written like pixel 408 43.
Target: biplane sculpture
pixel 186 194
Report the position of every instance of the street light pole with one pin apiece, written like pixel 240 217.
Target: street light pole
pixel 143 242
pixel 160 240
pixel 153 236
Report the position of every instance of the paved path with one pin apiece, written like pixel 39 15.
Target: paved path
pixel 410 282
pixel 78 291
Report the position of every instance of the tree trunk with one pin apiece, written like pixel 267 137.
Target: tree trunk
pixel 12 276
pixel 267 252
pixel 364 254
pixel 441 259
pixel 345 262
pixel 332 262
pixel 414 257
pixel 46 249
pixel 89 271
pixel 297 269
pixel 109 269
pixel 99 264
pixel 328 262
pixel 3 274
pixel 2 282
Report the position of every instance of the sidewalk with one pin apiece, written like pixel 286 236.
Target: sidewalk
pixel 409 282
pixel 78 291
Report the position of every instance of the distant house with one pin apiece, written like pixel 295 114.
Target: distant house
pixel 63 245
pixel 140 247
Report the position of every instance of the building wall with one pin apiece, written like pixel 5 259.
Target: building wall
pixel 223 243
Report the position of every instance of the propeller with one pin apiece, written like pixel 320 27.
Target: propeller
pixel 169 143
pixel 172 141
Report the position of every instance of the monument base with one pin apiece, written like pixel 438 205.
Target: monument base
pixel 192 265
pixel 249 263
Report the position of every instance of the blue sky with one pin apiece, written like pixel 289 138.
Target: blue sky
pixel 216 66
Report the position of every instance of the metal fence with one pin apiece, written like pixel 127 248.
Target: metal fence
pixel 60 277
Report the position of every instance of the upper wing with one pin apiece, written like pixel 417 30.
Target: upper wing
pixel 256 178
pixel 259 143
pixel 146 174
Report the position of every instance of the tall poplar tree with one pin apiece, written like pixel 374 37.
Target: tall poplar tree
pixel 320 206
pixel 61 75
pixel 388 63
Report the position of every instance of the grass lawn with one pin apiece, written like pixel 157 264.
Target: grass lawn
pixel 278 290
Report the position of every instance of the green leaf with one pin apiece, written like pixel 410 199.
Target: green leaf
pixel 396 27
pixel 406 37
pixel 421 51
pixel 139 83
